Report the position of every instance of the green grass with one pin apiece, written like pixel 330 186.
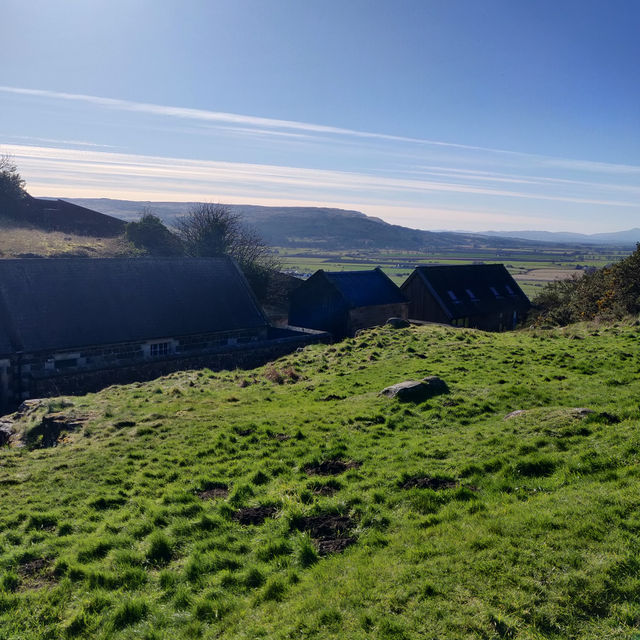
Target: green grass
pixel 106 536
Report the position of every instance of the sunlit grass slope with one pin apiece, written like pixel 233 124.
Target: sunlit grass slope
pixel 531 527
pixel 18 241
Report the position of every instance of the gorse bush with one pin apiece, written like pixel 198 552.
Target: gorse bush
pixel 606 294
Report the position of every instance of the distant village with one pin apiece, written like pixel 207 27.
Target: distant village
pixel 72 325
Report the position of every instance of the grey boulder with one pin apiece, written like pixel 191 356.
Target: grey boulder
pixel 416 390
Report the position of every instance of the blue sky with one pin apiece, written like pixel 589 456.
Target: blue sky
pixel 456 114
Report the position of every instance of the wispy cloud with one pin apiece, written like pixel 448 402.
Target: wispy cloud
pixel 419 182
pixel 260 125
pixel 65 143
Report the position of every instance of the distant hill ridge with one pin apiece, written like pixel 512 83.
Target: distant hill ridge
pixel 319 227
pixel 628 237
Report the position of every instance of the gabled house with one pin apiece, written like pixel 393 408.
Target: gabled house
pixel 341 302
pixel 482 296
pixel 74 325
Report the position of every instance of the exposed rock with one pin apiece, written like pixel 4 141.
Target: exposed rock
pixel 53 425
pixel 6 431
pixel 582 412
pixel 416 390
pixel 576 412
pixel 515 414
pixel 398 323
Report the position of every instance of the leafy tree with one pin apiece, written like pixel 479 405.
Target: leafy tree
pixel 150 234
pixel 213 230
pixel 11 182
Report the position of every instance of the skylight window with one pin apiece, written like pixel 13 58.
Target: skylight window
pixel 495 292
pixel 471 294
pixel 452 295
pixel 509 290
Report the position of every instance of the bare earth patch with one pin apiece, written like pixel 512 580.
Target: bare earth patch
pixel 329 532
pixel 426 482
pixel 331 467
pixel 254 515
pixel 36 573
pixel 218 491
pixel 324 490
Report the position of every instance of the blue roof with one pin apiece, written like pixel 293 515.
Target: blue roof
pixel 365 288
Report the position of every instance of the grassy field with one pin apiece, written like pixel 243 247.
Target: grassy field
pixel 532 269
pixel 195 506
pixel 17 242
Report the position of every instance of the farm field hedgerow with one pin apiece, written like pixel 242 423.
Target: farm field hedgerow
pixel 304 505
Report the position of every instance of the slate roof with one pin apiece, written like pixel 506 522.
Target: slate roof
pixel 471 290
pixel 58 304
pixel 364 288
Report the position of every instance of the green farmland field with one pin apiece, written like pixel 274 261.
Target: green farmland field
pixel 531 269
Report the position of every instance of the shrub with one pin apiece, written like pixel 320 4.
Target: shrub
pixel 607 293
pixel 150 235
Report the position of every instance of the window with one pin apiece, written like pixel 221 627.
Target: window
pixel 452 296
pixel 495 292
pixel 471 294
pixel 509 290
pixel 158 349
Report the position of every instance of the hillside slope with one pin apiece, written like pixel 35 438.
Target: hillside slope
pixel 203 505
pixel 318 227
pixel 24 240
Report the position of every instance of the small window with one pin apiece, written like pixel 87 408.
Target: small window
pixel 495 292
pixel 509 290
pixel 158 349
pixel 471 294
pixel 452 295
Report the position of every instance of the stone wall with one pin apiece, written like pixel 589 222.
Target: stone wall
pixel 41 382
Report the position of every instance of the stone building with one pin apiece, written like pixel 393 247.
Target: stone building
pixel 341 302
pixel 483 296
pixel 76 325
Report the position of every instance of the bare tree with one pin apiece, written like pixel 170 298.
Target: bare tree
pixel 213 230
